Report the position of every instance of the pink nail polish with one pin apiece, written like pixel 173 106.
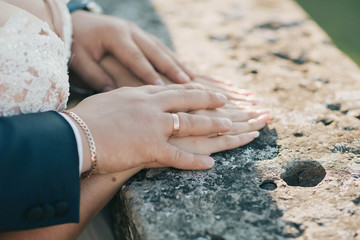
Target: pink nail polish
pixel 264 116
pixel 264 111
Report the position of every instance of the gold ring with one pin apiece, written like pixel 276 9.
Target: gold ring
pixel 176 124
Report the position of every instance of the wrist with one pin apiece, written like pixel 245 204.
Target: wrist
pixel 89 156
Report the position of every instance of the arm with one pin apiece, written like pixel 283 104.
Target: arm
pixel 96 192
pixel 39 172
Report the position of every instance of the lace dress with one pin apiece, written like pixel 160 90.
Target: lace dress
pixel 33 62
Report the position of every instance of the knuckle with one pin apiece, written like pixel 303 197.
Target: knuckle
pixel 136 56
pixel 190 121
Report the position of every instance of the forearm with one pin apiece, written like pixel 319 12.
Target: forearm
pixel 96 192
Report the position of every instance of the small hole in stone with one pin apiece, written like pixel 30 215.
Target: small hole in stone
pixel 326 122
pixel 303 173
pixel 334 106
pixel 292 230
pixel 268 185
pixel 356 201
pixel 298 134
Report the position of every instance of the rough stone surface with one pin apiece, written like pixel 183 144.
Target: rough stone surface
pixel 300 179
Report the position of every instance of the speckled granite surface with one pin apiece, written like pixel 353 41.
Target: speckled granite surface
pixel 300 179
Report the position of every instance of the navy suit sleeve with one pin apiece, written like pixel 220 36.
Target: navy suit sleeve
pixel 39 172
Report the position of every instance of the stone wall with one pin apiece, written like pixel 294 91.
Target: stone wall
pixel 300 179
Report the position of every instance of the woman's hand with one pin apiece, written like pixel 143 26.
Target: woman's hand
pixel 123 77
pixel 131 126
pixel 98 35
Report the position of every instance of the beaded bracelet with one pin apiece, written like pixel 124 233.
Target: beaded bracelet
pixel 90 140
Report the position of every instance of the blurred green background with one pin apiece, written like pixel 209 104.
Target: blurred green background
pixel 341 20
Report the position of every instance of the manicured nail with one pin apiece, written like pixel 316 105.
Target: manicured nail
pixel 208 161
pixel 108 89
pixel 243 103
pixel 159 81
pixel 190 70
pixel 222 97
pixel 253 135
pixel 246 92
pixel 263 117
pixel 183 77
pixel 264 111
pixel 226 122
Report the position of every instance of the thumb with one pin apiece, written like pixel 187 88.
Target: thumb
pixel 91 72
pixel 178 158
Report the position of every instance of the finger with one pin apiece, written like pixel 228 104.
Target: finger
pixel 160 59
pixel 206 146
pixel 181 100
pixel 122 76
pixel 91 71
pixel 133 58
pixel 231 92
pixel 195 125
pixel 249 126
pixel 178 158
pixel 202 78
pixel 206 81
pixel 235 115
pixel 189 86
pixel 185 68
pixel 240 105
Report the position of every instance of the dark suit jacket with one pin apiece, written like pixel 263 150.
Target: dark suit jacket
pixel 39 172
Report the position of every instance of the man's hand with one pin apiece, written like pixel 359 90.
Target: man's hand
pixel 98 35
pixel 131 126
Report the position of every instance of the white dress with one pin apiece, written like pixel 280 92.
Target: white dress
pixel 33 64
pixel 34 75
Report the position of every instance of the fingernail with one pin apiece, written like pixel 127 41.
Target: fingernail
pixel 198 86
pixel 208 161
pixel 189 69
pixel 264 111
pixel 159 81
pixel 183 77
pixel 108 89
pixel 262 117
pixel 243 103
pixel 254 134
pixel 222 97
pixel 253 99
pixel 226 122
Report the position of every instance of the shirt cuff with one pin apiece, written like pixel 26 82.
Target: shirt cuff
pixel 77 137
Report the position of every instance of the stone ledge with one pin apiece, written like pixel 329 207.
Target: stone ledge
pixel 300 179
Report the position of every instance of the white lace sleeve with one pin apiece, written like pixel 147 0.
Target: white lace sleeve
pixel 33 67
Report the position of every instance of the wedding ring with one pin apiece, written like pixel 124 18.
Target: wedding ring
pixel 176 124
